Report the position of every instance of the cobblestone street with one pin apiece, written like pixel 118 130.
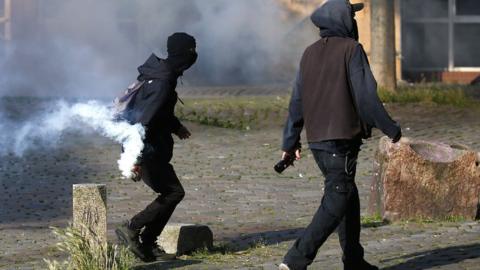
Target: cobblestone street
pixel 231 187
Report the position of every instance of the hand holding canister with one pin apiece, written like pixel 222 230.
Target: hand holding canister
pixel 288 159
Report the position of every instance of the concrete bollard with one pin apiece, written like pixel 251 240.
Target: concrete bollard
pixel 90 211
pixel 182 239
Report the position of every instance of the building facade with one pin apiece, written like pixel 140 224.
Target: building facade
pixel 441 39
pixel 435 40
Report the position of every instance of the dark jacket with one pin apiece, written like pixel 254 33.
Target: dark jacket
pixel 154 107
pixel 335 21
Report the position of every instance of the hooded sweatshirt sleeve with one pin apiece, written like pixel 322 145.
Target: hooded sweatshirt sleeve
pixel 294 125
pixel 364 92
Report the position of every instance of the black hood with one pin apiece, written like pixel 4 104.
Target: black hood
pixel 154 68
pixel 335 18
pixel 181 52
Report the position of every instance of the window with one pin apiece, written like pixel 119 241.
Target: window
pixel 440 34
pixel 466 45
pixel 467 7
pixel 426 45
pixel 425 8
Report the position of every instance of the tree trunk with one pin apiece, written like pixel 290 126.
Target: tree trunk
pixel 383 43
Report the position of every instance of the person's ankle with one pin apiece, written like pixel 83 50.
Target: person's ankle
pixel 131 227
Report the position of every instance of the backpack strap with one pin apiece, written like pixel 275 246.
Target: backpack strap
pixel 136 85
pixel 131 90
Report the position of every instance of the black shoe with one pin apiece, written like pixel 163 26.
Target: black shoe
pixel 157 252
pixel 126 235
pixel 130 238
pixel 362 265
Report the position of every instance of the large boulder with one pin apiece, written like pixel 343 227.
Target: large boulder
pixel 420 179
pixel 182 239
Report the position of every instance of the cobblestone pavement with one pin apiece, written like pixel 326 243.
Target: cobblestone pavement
pixel 231 187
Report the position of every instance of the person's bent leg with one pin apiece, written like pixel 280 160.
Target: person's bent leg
pixel 172 194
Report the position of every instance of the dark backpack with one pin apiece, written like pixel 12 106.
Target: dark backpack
pixel 122 106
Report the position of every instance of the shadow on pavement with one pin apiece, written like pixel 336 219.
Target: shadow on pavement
pixel 38 187
pixel 247 241
pixel 165 265
pixel 436 257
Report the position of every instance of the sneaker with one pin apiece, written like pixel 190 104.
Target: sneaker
pixel 283 266
pixel 126 235
pixel 363 265
pixel 130 238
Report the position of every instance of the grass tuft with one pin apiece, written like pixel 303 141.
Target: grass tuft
pixel 225 253
pixel 373 221
pixel 88 254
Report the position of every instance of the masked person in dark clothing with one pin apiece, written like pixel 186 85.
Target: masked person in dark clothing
pixel 153 107
pixel 335 98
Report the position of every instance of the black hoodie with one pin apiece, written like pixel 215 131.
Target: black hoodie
pixel 334 18
pixel 154 106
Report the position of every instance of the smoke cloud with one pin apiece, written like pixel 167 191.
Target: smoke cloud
pixel 92 48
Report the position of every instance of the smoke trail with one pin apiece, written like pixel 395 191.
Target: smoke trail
pixel 94 114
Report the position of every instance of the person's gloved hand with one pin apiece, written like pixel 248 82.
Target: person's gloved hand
pixel 137 173
pixel 183 133
pixel 397 137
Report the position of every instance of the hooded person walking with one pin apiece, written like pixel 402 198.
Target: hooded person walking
pixel 335 99
pixel 154 107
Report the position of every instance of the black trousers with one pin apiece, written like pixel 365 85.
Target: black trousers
pixel 161 177
pixel 339 209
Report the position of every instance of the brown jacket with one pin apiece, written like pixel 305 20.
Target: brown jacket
pixel 328 107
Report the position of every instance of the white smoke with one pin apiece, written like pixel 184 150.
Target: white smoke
pixel 67 45
pixel 94 114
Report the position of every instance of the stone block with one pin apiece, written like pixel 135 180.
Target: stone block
pixel 422 179
pixel 90 211
pixel 182 239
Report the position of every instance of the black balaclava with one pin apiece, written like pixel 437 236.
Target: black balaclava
pixel 181 52
pixel 354 34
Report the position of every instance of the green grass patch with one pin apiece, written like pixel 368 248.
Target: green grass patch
pixel 235 112
pixel 377 221
pixel 372 221
pixel 441 94
pixel 250 112
pixel 446 219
